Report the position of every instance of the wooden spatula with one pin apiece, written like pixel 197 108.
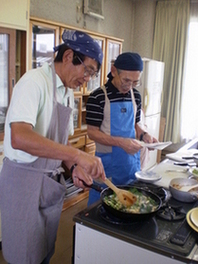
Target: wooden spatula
pixel 125 197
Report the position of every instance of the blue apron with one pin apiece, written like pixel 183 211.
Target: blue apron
pixel 119 166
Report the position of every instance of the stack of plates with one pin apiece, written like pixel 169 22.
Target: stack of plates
pixel 192 218
pixel 71 188
pixel 2 121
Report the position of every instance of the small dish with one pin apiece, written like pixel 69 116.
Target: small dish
pixel 147 176
pixel 189 218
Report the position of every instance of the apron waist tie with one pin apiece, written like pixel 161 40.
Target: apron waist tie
pixel 56 174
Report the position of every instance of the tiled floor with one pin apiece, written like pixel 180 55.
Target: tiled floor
pixel 64 242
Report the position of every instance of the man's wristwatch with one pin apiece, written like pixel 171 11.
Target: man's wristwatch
pixel 142 135
pixel 73 167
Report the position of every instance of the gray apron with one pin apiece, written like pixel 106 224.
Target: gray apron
pixel 31 200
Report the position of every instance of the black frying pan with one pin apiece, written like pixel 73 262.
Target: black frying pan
pixel 125 215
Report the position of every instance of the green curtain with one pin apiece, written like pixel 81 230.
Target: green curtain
pixel 170 36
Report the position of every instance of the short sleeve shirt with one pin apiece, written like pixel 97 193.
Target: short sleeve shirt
pixel 96 102
pixel 32 102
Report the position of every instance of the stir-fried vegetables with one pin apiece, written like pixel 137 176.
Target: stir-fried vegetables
pixel 195 171
pixel 144 204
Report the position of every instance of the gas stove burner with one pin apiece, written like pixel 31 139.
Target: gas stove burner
pixel 171 213
pixel 108 217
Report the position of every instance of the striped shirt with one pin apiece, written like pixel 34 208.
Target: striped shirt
pixel 96 102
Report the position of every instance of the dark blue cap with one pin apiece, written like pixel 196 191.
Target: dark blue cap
pixel 82 43
pixel 129 61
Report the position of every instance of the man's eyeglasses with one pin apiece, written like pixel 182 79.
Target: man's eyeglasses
pixel 134 84
pixel 87 71
pixel 128 82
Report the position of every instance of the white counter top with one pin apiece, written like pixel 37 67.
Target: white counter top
pixel 162 169
pixel 168 164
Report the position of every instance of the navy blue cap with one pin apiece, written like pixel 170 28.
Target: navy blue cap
pixel 82 43
pixel 129 61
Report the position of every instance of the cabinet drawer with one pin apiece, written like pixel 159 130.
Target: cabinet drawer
pixel 77 142
pixel 91 148
pixel 88 140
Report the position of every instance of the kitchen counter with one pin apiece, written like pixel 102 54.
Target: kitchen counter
pixel 166 165
pixel 99 241
pixel 96 243
pixel 144 241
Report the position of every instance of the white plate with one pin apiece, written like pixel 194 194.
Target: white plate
pixel 157 145
pixel 194 217
pixel 191 170
pixel 188 218
pixel 147 176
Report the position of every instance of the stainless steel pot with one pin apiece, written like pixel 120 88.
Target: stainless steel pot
pixel 183 196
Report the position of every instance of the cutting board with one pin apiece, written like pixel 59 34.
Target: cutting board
pixel 162 168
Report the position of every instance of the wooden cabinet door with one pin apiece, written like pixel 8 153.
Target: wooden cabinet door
pixel 7 71
pixel 97 82
pixel 14 14
pixel 44 37
pixel 113 49
pixel 77 112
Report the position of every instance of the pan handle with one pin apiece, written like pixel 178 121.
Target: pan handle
pixel 94 186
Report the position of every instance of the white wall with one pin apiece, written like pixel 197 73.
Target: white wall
pixel 117 13
pixel 143 22
pixel 131 20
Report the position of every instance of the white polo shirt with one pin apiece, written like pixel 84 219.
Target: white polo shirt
pixel 32 102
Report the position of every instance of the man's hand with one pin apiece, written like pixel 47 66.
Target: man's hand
pixel 147 138
pixel 88 168
pixel 131 146
pixel 79 175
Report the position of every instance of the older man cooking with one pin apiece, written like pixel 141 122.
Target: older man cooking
pixel 113 113
pixel 35 145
